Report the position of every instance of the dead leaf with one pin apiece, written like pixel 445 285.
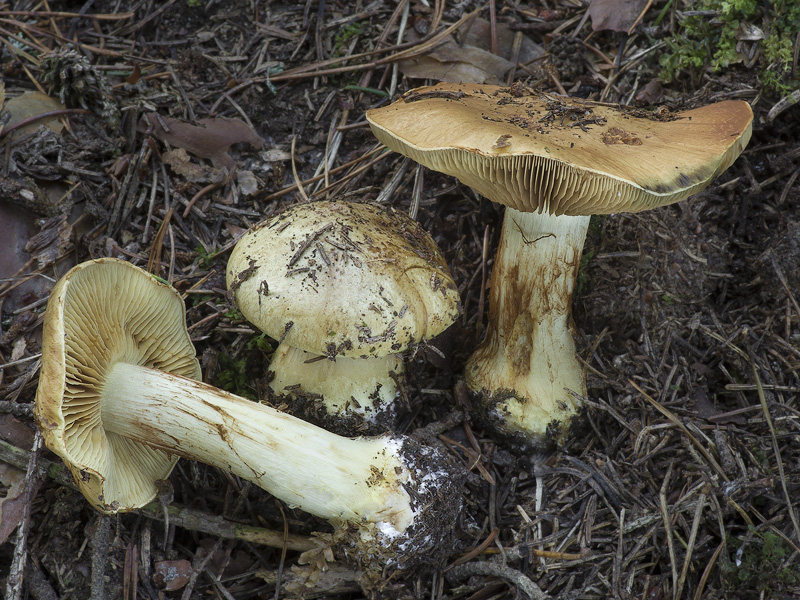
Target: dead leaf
pixel 471 61
pixel 480 36
pixel 32 104
pixel 479 65
pixel 171 575
pixel 615 15
pixel 211 138
pixel 180 162
pixel 134 77
pixel 650 94
pixel 12 480
pixel 15 432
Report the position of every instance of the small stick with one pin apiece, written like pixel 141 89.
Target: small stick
pixel 16 572
pixel 662 503
pixel 307 242
pixel 209 188
pixel 294 172
pixel 701 504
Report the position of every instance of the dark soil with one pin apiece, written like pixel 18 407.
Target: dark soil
pixel 679 479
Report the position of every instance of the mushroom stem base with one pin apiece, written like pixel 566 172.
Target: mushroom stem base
pixel 526 365
pixel 344 395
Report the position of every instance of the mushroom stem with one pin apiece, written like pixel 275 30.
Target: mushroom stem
pixel 526 363
pixel 337 478
pixel 344 387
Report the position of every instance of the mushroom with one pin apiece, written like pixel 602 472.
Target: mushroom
pixel 119 401
pixel 346 288
pixel 552 161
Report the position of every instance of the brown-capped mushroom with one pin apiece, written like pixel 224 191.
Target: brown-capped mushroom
pixel 553 162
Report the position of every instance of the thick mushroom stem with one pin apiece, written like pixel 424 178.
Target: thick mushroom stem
pixel 337 478
pixel 526 363
pixel 364 388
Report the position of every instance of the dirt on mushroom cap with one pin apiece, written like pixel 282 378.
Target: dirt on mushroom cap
pixel 343 279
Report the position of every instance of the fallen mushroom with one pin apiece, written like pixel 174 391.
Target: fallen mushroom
pixel 553 162
pixel 119 402
pixel 346 288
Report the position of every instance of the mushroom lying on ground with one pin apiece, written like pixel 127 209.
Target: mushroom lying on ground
pixel 345 287
pixel 553 162
pixel 118 402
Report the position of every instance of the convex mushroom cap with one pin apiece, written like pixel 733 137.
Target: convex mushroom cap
pixel 553 161
pixel 342 281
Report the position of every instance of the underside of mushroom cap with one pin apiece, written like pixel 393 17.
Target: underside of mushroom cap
pixel 538 152
pixel 100 313
pixel 343 279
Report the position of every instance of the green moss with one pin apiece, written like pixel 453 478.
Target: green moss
pixel 709 36
pixel 205 258
pixel 261 343
pixel 232 376
pixel 758 564
pixel 345 35
pixel 234 315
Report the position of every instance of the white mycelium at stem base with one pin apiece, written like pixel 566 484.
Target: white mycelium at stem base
pixel 337 478
pixel 526 364
pixel 366 387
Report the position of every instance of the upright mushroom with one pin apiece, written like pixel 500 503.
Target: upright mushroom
pixel 553 162
pixel 118 401
pixel 346 288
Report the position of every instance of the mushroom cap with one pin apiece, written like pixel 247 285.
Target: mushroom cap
pixel 562 155
pixel 343 279
pixel 102 312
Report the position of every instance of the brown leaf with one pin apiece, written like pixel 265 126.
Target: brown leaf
pixel 180 162
pixel 650 94
pixel 472 60
pixel 32 104
pixel 615 15
pixel 211 138
pixel 15 432
pixel 479 65
pixel 171 575
pixel 13 504
pixel 134 77
pixel 480 36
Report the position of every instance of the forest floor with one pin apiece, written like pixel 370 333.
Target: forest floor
pixel 680 478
